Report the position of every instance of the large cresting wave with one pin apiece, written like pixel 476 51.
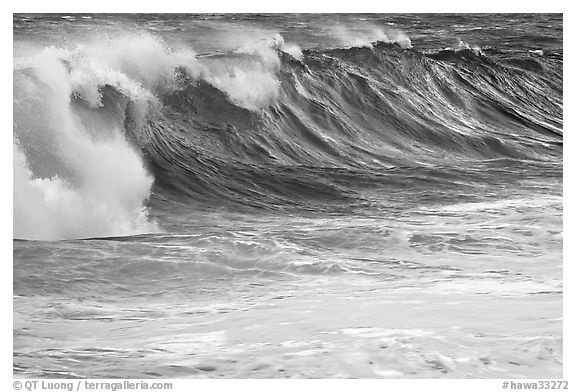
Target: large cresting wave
pixel 109 129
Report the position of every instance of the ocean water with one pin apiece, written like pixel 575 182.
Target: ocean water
pixel 288 196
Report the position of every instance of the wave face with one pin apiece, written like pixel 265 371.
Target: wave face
pixel 106 129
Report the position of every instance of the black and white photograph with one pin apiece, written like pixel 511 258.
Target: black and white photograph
pixel 287 196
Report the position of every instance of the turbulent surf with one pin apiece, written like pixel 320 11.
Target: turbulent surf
pixel 233 172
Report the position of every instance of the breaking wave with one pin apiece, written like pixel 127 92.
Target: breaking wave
pixel 106 130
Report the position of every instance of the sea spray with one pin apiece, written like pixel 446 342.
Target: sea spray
pixel 96 184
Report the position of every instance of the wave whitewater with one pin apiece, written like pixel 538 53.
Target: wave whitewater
pixel 105 130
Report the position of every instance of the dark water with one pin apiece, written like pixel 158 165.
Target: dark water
pixel 288 195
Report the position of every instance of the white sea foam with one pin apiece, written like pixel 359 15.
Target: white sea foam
pixel 252 84
pixel 252 89
pixel 135 63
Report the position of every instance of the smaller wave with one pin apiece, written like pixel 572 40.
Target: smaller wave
pixel 366 35
pixel 461 51
pixel 466 46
